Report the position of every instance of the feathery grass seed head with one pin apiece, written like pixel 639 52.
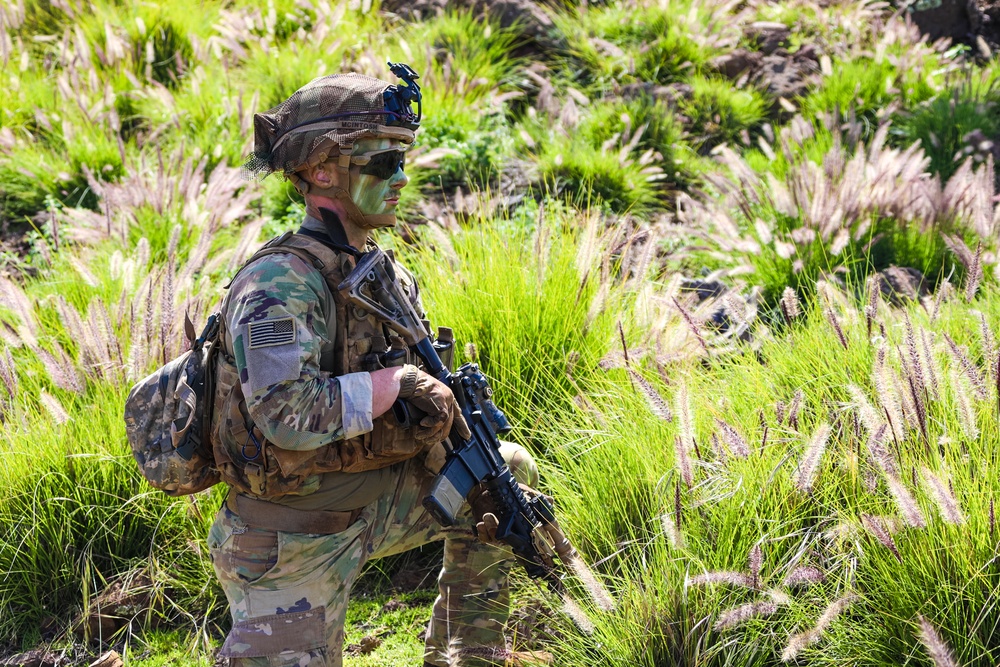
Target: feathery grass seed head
pixel 657 405
pixel 743 613
pixel 755 560
pixel 966 408
pixel 675 538
pixel 809 465
pixel 874 526
pixel 734 441
pixel 804 576
pixel 946 502
pixel 970 370
pixel 905 501
pixel 731 578
pixel 800 641
pixel 938 650
pixel 790 306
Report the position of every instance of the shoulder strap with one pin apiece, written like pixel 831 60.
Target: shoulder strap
pixel 311 251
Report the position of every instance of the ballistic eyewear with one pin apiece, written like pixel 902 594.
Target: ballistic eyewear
pixel 381 165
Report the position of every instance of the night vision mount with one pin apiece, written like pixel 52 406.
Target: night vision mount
pixel 398 98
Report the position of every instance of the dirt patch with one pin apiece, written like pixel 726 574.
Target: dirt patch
pixel 975 23
pixel 530 19
pixel 783 75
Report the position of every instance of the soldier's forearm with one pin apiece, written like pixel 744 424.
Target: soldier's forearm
pixel 385 389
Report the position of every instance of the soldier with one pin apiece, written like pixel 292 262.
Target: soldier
pixel 322 477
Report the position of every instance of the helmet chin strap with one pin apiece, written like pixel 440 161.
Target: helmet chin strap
pixel 342 195
pixel 354 213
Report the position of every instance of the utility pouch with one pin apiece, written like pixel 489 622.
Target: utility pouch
pixel 249 462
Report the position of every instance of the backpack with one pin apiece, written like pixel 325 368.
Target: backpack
pixel 168 415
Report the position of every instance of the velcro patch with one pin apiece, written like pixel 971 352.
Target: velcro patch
pixel 270 333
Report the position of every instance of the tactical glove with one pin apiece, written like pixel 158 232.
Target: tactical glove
pixel 434 400
pixel 484 512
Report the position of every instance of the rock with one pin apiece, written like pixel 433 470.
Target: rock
pixel 780 73
pixel 768 36
pixel 37 657
pixel 394 605
pixel 670 93
pixel 900 284
pixel 784 76
pixel 703 289
pixel 414 9
pixel 109 659
pixel 367 644
pixel 101 626
pixel 944 18
pixel 531 19
pixel 735 64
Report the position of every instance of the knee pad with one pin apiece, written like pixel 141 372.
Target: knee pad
pixel 522 464
pixel 279 640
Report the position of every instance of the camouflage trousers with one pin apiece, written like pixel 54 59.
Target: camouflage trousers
pixel 288 592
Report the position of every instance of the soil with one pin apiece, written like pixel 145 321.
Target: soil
pixel 530 18
pixel 975 23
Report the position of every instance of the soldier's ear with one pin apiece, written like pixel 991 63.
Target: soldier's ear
pixel 322 175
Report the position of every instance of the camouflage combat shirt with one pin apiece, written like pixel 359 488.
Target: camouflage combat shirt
pixel 295 403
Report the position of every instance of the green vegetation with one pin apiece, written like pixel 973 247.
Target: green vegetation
pixel 792 466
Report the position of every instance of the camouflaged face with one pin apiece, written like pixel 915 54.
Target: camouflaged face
pixel 270 578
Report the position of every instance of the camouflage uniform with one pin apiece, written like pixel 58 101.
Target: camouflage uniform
pixel 287 591
pixel 304 581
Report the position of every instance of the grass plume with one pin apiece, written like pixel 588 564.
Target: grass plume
pixel 804 576
pixel 971 372
pixel 939 652
pixel 800 641
pixel 743 613
pixel 811 458
pixel 731 578
pixel 734 441
pixel 946 502
pixel 905 501
pixel 657 405
pixel 875 526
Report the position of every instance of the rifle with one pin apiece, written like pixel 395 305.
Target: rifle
pixel 529 526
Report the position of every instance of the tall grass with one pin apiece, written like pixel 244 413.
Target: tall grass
pixel 857 211
pixel 811 480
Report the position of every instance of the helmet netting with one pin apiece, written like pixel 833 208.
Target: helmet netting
pixel 277 149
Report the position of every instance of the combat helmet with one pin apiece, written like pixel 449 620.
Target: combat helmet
pixel 324 119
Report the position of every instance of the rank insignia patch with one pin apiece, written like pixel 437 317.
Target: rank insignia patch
pixel 272 332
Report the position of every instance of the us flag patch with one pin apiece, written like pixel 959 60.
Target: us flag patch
pixel 272 332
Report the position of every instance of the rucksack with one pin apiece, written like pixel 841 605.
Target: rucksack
pixel 168 415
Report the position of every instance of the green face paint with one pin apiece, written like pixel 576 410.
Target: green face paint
pixel 373 195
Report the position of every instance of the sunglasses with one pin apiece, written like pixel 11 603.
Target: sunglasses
pixel 383 165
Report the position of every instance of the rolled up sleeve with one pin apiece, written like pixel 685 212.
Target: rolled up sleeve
pixel 356 403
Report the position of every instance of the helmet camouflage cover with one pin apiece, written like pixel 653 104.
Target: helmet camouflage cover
pixel 324 119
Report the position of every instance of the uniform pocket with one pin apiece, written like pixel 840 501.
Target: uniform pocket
pixel 254 554
pixel 393 443
pixel 295 638
pixel 239 552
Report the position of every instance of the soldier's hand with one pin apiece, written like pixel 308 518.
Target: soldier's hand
pixel 434 399
pixel 484 512
pixel 486 530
